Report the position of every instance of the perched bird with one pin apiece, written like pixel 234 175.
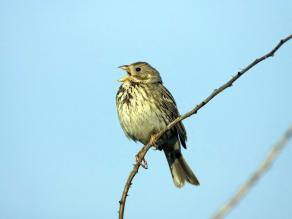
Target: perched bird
pixel 144 108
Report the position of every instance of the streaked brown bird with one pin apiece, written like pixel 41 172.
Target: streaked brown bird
pixel 144 108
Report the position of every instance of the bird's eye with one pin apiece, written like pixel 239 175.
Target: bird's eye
pixel 138 69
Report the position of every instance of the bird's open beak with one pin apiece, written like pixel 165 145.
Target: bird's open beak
pixel 127 77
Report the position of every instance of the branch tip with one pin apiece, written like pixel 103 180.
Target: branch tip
pixel 260 171
pixel 156 137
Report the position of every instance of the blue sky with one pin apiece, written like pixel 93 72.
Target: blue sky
pixel 62 151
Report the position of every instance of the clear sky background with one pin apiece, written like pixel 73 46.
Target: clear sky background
pixel 62 151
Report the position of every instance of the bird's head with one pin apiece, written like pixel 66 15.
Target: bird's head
pixel 140 72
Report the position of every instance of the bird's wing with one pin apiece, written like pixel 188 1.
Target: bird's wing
pixel 169 106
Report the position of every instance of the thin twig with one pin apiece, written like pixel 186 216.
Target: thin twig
pixel 153 140
pixel 263 168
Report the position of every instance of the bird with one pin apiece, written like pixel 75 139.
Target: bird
pixel 145 107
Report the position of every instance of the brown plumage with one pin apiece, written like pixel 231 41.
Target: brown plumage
pixel 145 107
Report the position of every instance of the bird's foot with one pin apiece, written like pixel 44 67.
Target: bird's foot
pixel 153 141
pixel 143 162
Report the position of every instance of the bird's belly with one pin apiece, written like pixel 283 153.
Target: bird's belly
pixel 141 120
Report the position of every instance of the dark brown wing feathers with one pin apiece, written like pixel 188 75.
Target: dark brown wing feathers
pixel 170 104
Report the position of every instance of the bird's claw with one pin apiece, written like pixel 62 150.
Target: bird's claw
pixel 153 141
pixel 142 161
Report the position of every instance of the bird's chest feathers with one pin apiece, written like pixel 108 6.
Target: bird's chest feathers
pixel 139 111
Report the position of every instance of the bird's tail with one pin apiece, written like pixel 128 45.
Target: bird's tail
pixel 179 169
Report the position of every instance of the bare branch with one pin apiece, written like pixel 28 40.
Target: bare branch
pixel 263 168
pixel 141 154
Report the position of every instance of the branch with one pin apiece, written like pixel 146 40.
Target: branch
pixel 263 168
pixel 154 138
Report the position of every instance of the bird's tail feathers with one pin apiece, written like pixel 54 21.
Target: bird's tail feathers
pixel 180 170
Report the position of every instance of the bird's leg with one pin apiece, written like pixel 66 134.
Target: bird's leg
pixel 156 143
pixel 153 141
pixel 143 162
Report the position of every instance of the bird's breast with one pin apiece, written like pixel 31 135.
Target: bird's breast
pixel 139 112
